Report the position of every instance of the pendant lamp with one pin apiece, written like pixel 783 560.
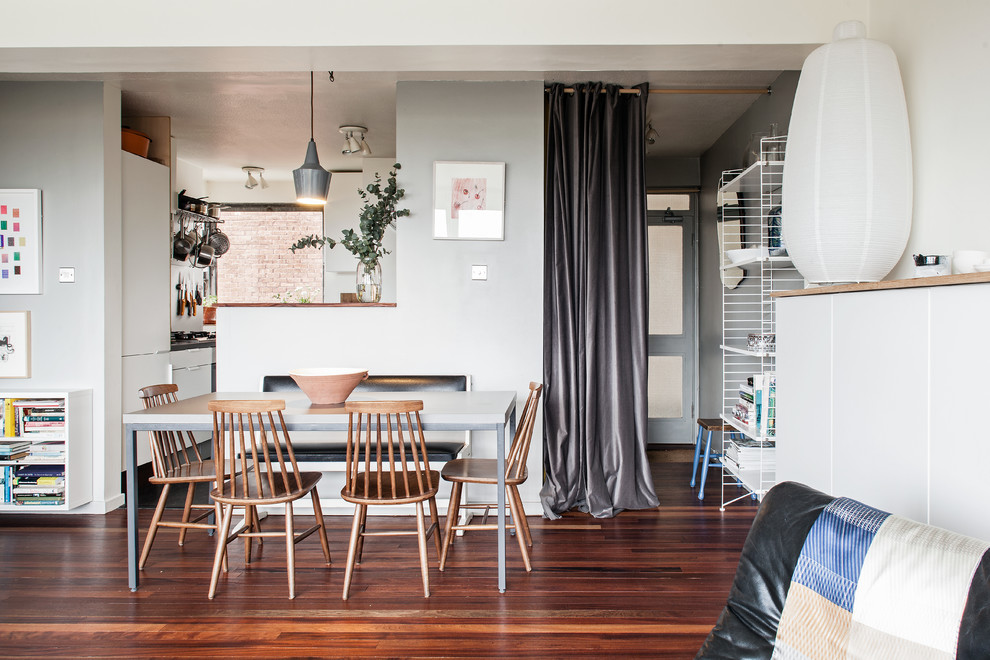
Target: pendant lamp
pixel 312 181
pixel 847 188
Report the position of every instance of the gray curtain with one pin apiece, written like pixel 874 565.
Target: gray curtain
pixel 595 303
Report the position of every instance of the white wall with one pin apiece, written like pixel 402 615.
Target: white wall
pixel 443 322
pixel 944 59
pixel 64 138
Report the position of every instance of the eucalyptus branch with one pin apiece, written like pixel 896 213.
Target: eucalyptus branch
pixel 378 213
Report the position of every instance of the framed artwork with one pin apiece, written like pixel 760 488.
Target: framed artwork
pixel 468 201
pixel 15 344
pixel 20 241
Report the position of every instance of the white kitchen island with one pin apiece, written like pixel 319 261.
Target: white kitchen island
pixel 883 395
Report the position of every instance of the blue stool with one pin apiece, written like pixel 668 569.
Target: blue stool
pixel 711 458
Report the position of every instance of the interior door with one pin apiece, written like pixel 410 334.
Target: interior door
pixel 673 340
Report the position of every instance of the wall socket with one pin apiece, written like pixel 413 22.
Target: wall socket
pixel 479 272
pixel 66 274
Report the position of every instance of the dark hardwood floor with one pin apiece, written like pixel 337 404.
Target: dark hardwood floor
pixel 646 583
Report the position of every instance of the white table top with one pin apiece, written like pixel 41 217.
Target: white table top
pixel 463 409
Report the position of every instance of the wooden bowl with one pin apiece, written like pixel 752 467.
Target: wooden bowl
pixel 326 385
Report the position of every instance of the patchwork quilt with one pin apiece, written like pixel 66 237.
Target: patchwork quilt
pixel 823 578
pixel 848 596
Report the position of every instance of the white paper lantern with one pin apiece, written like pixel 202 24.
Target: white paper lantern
pixel 847 175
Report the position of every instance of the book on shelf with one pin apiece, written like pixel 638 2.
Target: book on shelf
pixel 39 481
pixel 37 499
pixel 44 424
pixel 6 483
pixel 35 470
pixel 24 453
pixel 29 489
pixel 39 416
pixel 38 403
pixel 12 445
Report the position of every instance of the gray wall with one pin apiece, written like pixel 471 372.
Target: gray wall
pixel 673 172
pixel 725 154
pixel 443 321
pixel 64 138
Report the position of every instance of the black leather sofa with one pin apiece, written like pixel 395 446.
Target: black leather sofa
pixel 751 622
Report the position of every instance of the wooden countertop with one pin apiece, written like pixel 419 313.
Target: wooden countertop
pixel 913 283
pixel 380 304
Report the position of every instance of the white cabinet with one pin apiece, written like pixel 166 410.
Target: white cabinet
pixel 145 266
pixel 58 425
pixel 145 257
pixel 754 265
pixel 883 394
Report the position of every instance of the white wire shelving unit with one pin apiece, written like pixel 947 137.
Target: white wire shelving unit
pixel 749 210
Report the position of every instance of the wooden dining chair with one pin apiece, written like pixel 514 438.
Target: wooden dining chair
pixel 462 471
pixel 250 441
pixel 384 467
pixel 175 461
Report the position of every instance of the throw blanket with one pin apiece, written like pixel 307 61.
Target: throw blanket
pixel 847 593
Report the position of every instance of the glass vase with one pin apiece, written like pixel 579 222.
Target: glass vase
pixel 369 283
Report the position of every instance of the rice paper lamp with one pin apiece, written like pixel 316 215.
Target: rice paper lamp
pixel 847 190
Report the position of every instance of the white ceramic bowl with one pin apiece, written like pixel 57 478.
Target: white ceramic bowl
pixel 326 385
pixel 965 261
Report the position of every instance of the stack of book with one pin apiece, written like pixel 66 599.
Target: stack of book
pixel 14 449
pixel 39 418
pixel 749 454
pixel 39 485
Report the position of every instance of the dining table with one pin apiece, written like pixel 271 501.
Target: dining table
pixel 476 410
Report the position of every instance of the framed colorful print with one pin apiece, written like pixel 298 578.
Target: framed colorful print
pixel 20 241
pixel 468 201
pixel 15 344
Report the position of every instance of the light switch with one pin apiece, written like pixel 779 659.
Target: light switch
pixel 479 272
pixel 66 274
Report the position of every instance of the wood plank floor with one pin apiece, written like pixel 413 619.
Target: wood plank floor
pixel 646 583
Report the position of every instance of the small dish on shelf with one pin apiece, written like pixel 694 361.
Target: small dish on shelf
pixel 982 268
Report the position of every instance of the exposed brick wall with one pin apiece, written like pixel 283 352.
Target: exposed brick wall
pixel 259 263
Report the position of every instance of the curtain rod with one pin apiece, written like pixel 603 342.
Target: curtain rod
pixel 740 90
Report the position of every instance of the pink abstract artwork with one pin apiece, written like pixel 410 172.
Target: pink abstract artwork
pixel 467 194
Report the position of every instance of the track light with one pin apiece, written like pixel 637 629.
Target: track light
pixel 251 182
pixel 354 142
pixel 651 134
pixel 312 181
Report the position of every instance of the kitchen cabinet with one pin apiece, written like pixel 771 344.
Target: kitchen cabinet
pixel 882 389
pixel 145 258
pixel 146 277
pixel 754 265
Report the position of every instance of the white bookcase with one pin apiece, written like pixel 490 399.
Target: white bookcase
pixel 754 265
pixel 76 441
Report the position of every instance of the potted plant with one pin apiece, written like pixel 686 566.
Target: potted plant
pixel 379 212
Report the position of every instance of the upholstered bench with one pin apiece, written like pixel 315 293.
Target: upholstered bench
pixel 335 451
pixel 827 577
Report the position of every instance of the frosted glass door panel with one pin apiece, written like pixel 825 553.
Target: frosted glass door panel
pixel 665 389
pixel 666 280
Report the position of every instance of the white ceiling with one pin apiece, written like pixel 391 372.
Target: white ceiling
pixel 223 121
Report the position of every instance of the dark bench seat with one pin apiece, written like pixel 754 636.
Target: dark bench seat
pixel 336 451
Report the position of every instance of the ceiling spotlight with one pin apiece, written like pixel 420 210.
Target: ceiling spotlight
pixel 354 140
pixel 251 182
pixel 651 134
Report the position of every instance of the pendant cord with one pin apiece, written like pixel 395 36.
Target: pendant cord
pixel 311 105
